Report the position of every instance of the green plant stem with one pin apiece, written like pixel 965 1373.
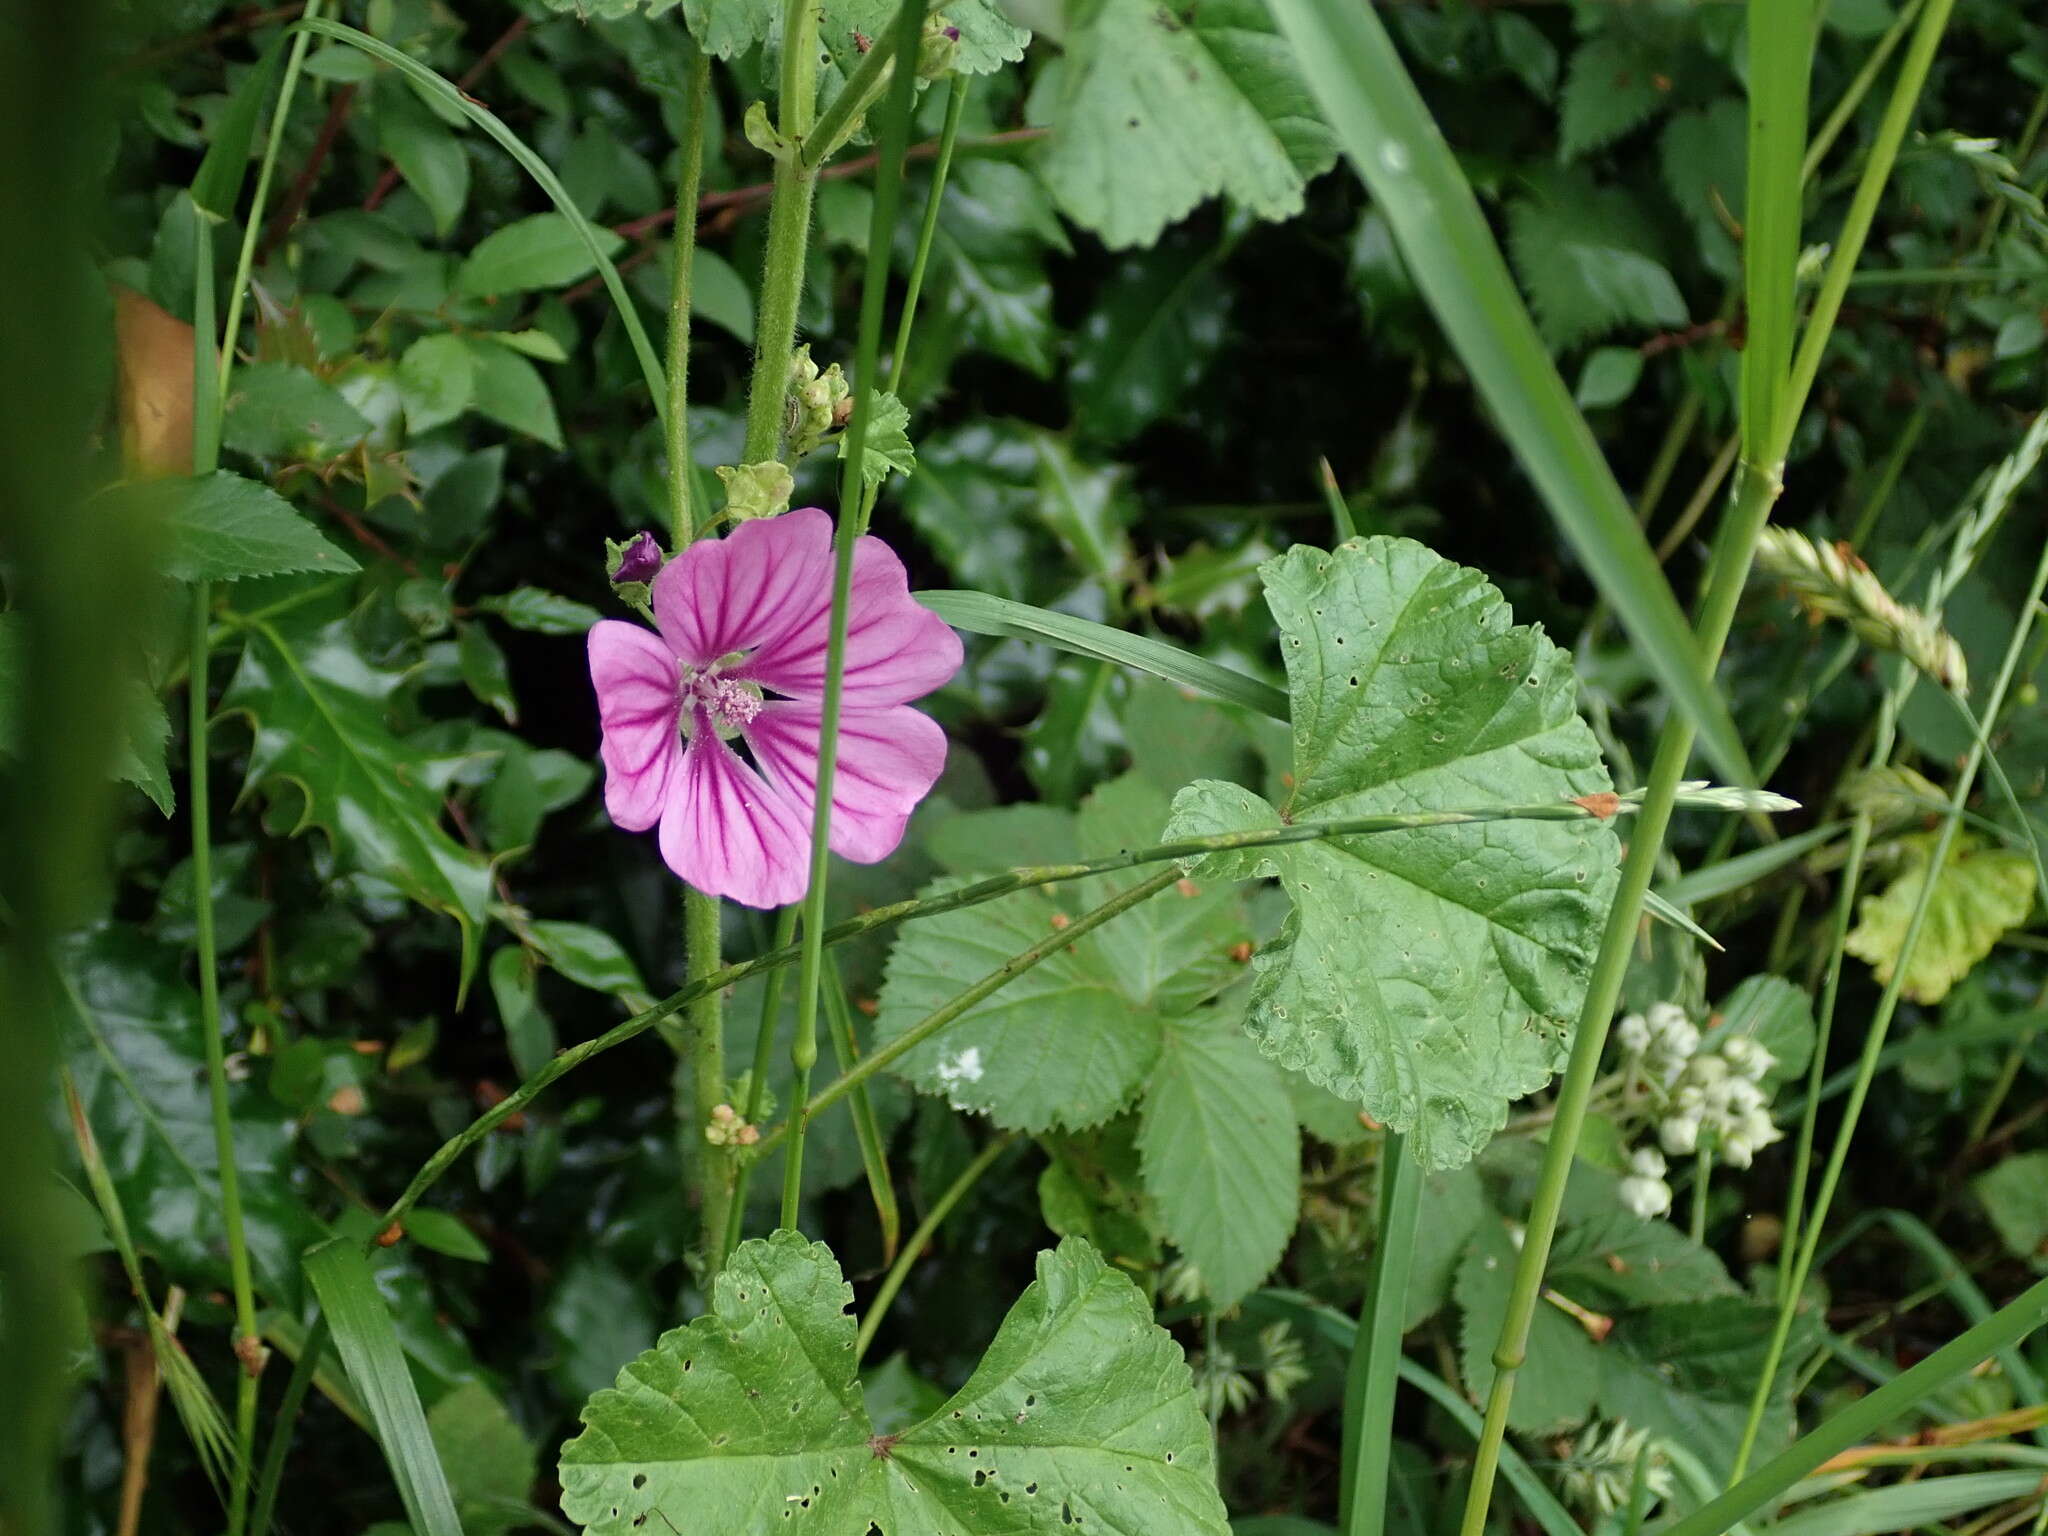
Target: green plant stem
pixel 704 1025
pixel 1869 1414
pixel 1702 1183
pixel 894 139
pixel 885 1297
pixel 1727 573
pixel 789 232
pixel 949 135
pixel 1866 76
pixel 764 1057
pixel 867 1130
pixel 1802 1156
pixel 683 526
pixel 245 261
pixel 1373 1374
pixel 1887 1006
pixel 843 113
pixel 566 1061
pixel 304 1369
pixel 1884 149
pixel 951 1010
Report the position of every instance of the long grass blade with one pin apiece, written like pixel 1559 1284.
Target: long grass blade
pixel 2003 1329
pixel 1367 96
pixel 1370 1381
pixel 368 1344
pixel 980 614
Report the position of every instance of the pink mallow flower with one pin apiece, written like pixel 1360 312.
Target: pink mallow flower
pixel 739 661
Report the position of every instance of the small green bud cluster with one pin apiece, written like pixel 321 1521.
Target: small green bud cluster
pixel 820 401
pixel 1598 1475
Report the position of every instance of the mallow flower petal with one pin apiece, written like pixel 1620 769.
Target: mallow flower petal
pixel 635 676
pixel 896 649
pixel 728 833
pixel 888 761
pixel 735 593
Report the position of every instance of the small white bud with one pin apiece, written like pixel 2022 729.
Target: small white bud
pixel 1742 1097
pixel 1663 1018
pixel 1746 1055
pixel 1647 1163
pixel 1633 1032
pixel 1645 1197
pixel 1680 1134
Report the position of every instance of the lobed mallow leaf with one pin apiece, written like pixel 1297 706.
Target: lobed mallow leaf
pixel 750 1420
pixel 1431 975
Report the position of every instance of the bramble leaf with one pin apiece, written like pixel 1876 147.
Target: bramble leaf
pixel 1587 262
pixel 1608 90
pixel 1980 895
pixel 1430 975
pixel 221 527
pixel 2015 1196
pixel 1157 109
pixel 749 1419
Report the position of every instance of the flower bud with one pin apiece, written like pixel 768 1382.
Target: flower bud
pixel 756 490
pixel 638 559
pixel 937 48
pixel 1747 1055
pixel 1680 1134
pixel 1633 1033
pixel 1665 1017
pixel 816 399
pixel 1645 1197
pixel 1647 1163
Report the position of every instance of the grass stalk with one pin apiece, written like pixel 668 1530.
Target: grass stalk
pixel 1373 1374
pixel 885 1297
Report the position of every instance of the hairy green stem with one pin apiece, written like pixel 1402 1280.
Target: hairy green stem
pixel 895 138
pixel 683 525
pixel 892 1282
pixel 566 1061
pixel 789 231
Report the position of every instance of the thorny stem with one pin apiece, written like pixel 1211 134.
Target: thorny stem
pixel 990 889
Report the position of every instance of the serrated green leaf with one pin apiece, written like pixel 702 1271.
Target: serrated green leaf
pixel 139 754
pixel 1430 975
pixel 1071 1041
pixel 1982 893
pixel 426 151
pixel 749 1419
pixel 221 527
pixel 887 444
pixel 1156 110
pixel 317 714
pixel 2015 1196
pixel 1222 1157
pixel 1587 262
pixel 539 612
pixel 1609 89
pixel 1556 1383
pixel 543 250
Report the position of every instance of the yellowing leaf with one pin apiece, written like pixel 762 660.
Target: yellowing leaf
pixel 1981 894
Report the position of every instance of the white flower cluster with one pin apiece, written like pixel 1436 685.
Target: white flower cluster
pixel 1720 1091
